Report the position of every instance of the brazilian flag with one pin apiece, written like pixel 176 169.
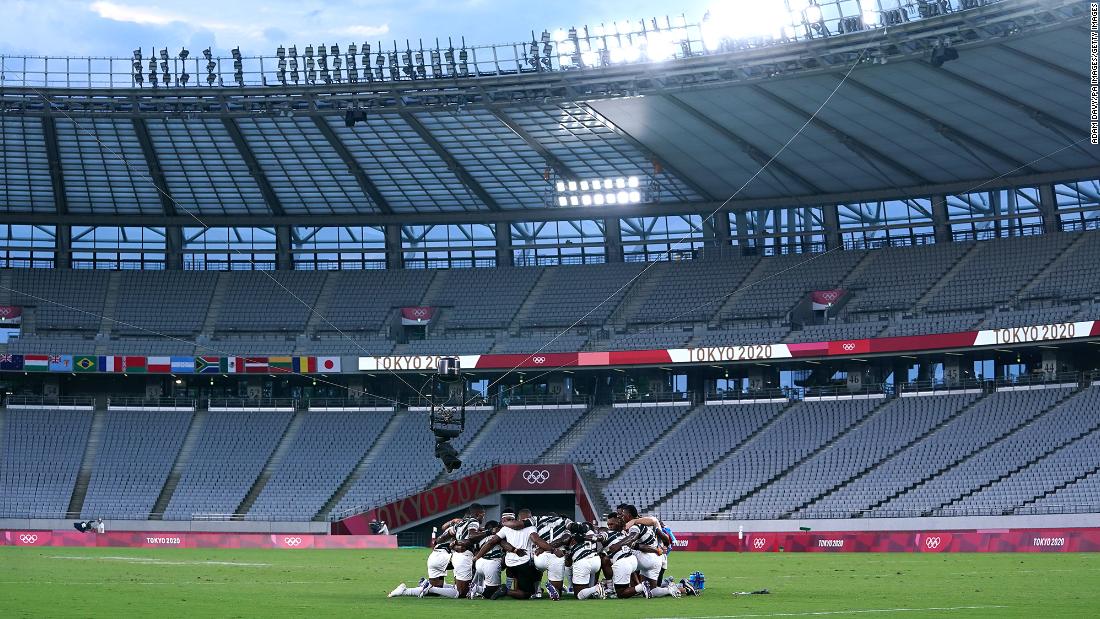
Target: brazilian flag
pixel 85 364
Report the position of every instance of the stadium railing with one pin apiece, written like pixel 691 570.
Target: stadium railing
pixel 659 397
pixel 546 399
pixel 150 403
pixel 51 401
pixel 252 404
pixel 347 403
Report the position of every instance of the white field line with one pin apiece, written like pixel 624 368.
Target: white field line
pixel 840 612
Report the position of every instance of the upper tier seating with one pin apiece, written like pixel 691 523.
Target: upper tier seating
pixel 40 458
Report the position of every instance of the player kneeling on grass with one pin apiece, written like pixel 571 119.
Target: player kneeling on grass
pixel 651 545
pixel 582 555
pixel 487 568
pixel 453 549
pixel 519 540
pixel 617 548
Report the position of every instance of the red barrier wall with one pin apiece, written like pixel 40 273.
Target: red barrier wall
pixel 158 539
pixel 999 540
pixel 453 495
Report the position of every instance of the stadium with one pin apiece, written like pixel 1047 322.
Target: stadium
pixel 806 294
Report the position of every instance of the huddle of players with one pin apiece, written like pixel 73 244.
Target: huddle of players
pixel 630 551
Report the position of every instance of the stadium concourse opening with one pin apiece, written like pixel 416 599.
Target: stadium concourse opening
pixel 562 318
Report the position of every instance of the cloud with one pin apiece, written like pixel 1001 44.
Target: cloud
pixel 133 14
pixel 363 31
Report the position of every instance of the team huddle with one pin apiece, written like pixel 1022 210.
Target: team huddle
pixel 629 551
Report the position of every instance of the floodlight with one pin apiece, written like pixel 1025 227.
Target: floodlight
pixel 566 48
pixel 236 52
pixel 597 199
pixel 572 185
pixel 635 196
pixel 164 54
pixel 632 181
pixel 575 201
pixel 184 78
pixel 620 182
pixel 870 18
pixel 584 185
pixel 137 54
pixel 812 13
pixel 184 53
pixel 609 198
pixel 622 197
pixel 559 35
pixel 463 62
pixel 280 52
pixel 590 59
pixel 334 50
pixel 137 66
pixel 586 200
pixel 563 201
pixel 561 186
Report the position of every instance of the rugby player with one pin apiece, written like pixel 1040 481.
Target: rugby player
pixel 519 541
pixel 487 568
pixel 450 550
pixel 582 555
pixel 651 550
pixel 554 530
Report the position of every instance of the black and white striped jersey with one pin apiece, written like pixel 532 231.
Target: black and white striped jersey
pixel 551 528
pixel 583 547
pixel 496 552
pixel 461 530
pixel 647 535
pixel 612 538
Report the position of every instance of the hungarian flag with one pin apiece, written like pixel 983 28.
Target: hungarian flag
pixel 11 362
pixel 84 363
pixel 111 363
pixel 159 365
pixel 280 365
pixel 208 365
pixel 328 364
pixel 61 363
pixel 36 363
pixel 134 365
pixel 183 365
pixel 255 365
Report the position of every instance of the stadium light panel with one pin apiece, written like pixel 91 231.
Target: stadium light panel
pixel 610 198
pixel 561 186
pixel 745 19
pixel 620 183
pixel 584 185
pixel 632 181
pixel 559 35
pixel 812 14
pixel 572 185
pixel 622 197
pixel 597 199
pixel 575 201
pixel 563 201
pixel 590 59
pixel 586 200
pixel 635 196
pixel 870 18
pixel 566 48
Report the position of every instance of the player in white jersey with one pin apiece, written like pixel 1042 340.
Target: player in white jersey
pixel 519 541
pixel 582 556
pixel 554 530
pixel 650 550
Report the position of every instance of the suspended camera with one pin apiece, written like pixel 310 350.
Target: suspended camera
pixel 448 416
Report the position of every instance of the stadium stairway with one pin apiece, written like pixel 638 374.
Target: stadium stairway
pixel 5 286
pixel 961 411
pixel 636 293
pixel 596 488
pixel 525 308
pixel 1062 486
pixel 318 317
pixel 582 427
pixel 217 302
pixel 687 417
pixel 758 271
pixel 1037 459
pixel 1041 277
pixel 110 311
pixel 95 439
pixel 198 420
pixel 431 293
pixel 970 455
pixel 273 461
pixel 655 506
pixel 820 448
pixel 946 278
pixel 364 465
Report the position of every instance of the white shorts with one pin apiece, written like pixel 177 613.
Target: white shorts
pixel 664 560
pixel 463 564
pixel 553 565
pixel 649 564
pixel 490 571
pixel 586 570
pixel 437 563
pixel 623 568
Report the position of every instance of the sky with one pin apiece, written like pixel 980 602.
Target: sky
pixel 117 27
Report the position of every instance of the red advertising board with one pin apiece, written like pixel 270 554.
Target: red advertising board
pixel 1000 540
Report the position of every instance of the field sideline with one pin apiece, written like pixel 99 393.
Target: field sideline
pixel 114 582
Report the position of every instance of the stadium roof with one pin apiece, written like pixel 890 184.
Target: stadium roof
pixel 1011 109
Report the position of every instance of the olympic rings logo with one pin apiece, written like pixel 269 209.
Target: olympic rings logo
pixel 932 543
pixel 536 477
pixel 759 542
pixel 539 360
pixel 28 539
pixel 849 346
pixel 292 541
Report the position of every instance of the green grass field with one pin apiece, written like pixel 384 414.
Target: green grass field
pixel 112 582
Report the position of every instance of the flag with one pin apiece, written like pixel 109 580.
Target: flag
pixel 328 364
pixel 110 363
pixel 133 365
pixel 824 299
pixel 231 365
pixel 207 365
pixel 280 365
pixel 61 363
pixel 255 365
pixel 305 365
pixel 417 315
pixel 84 363
pixel 160 365
pixel 183 365
pixel 11 314
pixel 36 363
pixel 11 362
